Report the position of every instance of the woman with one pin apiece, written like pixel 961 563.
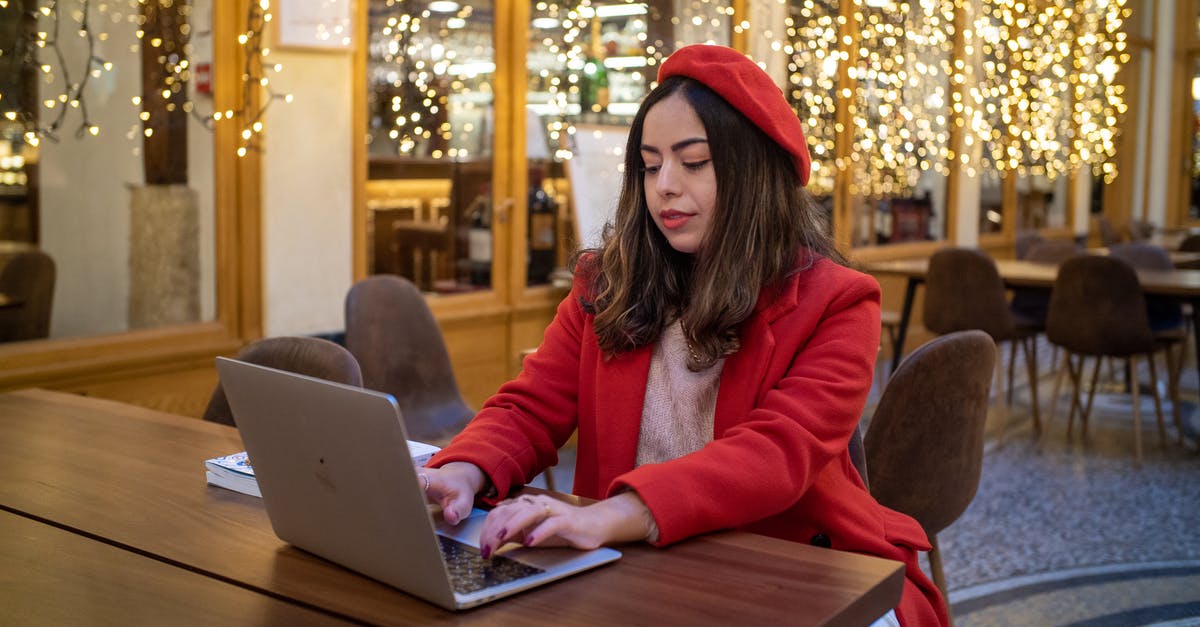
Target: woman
pixel 713 354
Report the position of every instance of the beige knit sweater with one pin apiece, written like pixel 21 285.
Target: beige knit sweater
pixel 677 415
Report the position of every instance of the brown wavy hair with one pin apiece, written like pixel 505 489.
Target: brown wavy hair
pixel 637 284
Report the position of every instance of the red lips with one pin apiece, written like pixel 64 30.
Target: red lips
pixel 674 219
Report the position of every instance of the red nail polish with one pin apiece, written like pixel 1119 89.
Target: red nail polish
pixel 486 551
pixel 528 541
pixel 503 532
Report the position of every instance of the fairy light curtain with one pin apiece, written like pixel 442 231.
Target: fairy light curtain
pixel 67 71
pixel 901 97
pixel 813 60
pixel 1046 101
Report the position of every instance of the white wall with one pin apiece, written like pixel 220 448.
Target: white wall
pixel 307 184
pixel 83 201
pixel 84 198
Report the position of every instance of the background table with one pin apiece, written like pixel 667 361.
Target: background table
pixel 133 479
pixel 1181 284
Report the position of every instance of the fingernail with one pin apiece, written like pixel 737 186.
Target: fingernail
pixel 528 541
pixel 503 532
pixel 485 551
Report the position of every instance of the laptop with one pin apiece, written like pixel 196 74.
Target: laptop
pixel 333 465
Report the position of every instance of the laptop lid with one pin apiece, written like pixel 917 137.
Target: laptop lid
pixel 337 480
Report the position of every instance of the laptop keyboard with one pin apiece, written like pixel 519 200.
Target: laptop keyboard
pixel 469 572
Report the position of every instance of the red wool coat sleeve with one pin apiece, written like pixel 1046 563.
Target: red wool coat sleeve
pixel 787 405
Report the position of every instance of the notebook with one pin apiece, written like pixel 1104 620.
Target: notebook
pixel 332 464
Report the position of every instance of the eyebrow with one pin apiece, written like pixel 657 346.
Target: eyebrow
pixel 677 146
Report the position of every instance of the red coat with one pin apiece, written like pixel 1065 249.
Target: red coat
pixel 778 464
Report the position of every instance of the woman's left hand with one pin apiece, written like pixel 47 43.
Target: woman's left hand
pixel 542 520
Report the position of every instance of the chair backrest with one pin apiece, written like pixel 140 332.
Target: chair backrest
pixel 1029 305
pixel 924 444
pixel 1190 244
pixel 394 336
pixel 1140 230
pixel 1165 312
pixel 26 278
pixel 1025 241
pixel 310 356
pixel 1108 233
pixel 858 455
pixel 1097 308
pixel 1142 255
pixel 963 290
pixel 1053 251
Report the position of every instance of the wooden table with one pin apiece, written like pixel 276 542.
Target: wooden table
pixel 1181 284
pixel 102 482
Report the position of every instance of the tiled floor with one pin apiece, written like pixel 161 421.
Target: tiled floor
pixel 1066 530
pixel 1071 531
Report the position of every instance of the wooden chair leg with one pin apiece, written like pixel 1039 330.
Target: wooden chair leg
pixel 1062 372
pixel 998 388
pixel 1012 359
pixel 1174 370
pixel 1087 410
pixel 1076 372
pixel 1158 412
pixel 935 567
pixel 1137 413
pixel 1030 344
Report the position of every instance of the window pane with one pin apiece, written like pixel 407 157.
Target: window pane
pixel 900 157
pixel 588 66
pixel 1194 204
pixel 430 74
pixel 106 161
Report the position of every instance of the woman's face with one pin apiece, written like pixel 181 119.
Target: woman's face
pixel 680 183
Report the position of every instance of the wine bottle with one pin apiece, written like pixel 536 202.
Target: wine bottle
pixel 479 237
pixel 543 233
pixel 593 87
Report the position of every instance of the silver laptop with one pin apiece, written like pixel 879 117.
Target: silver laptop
pixel 333 465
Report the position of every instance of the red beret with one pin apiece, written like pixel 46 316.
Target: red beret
pixel 747 88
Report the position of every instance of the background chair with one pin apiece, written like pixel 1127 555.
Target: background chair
pixel 1165 313
pixel 1190 244
pixel 27 281
pixel 924 444
pixel 1025 241
pixel 1108 233
pixel 310 356
pixel 1097 310
pixel 963 290
pixel 398 344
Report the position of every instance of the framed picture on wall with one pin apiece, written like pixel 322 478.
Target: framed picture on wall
pixel 322 24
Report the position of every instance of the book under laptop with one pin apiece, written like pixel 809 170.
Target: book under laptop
pixel 333 466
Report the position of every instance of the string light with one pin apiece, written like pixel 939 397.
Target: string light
pixel 901 100
pixel 1047 101
pixel 72 94
pixel 173 50
pixel 813 61
pixel 254 80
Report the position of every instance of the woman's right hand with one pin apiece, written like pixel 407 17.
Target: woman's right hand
pixel 453 487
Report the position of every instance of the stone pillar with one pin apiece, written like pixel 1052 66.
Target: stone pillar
pixel 164 256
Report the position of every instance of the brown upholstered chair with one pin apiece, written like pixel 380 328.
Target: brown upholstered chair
pixel 858 455
pixel 924 445
pixel 1097 310
pixel 1190 244
pixel 1108 233
pixel 310 356
pixel 394 336
pixel 1025 241
pixel 27 282
pixel 963 290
